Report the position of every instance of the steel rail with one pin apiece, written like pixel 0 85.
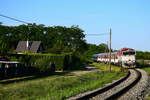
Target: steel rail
pixel 102 90
pixel 127 88
pixel 106 88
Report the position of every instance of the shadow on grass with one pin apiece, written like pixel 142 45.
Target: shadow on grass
pixel 36 76
pixel 81 68
pixel 43 75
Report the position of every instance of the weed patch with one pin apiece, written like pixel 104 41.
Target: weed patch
pixel 59 88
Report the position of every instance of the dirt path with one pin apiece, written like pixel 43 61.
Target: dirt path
pixel 18 82
pixel 89 68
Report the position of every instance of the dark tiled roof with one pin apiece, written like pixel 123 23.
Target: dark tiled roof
pixel 21 47
pixel 33 46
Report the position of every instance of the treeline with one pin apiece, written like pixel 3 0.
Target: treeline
pixel 93 48
pixel 56 39
pixel 142 55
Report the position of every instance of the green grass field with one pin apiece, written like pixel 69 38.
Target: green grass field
pixel 147 69
pixel 58 86
pixel 105 67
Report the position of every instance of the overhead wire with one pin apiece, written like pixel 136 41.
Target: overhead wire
pixel 30 23
pixel 97 34
pixel 14 19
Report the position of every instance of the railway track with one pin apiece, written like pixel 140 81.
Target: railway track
pixel 114 90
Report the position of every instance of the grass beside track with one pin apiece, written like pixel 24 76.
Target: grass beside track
pixel 59 87
pixel 105 67
pixel 147 69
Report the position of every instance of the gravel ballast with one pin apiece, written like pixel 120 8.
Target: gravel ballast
pixel 138 92
pixel 117 88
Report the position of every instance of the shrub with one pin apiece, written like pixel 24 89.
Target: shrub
pixel 43 61
pixel 43 65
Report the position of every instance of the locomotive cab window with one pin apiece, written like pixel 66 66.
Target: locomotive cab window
pixel 128 53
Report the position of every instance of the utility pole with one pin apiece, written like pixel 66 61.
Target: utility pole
pixel 107 47
pixel 110 51
pixel 107 51
pixel 27 43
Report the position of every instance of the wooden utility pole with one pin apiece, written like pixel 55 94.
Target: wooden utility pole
pixel 107 47
pixel 110 51
pixel 29 28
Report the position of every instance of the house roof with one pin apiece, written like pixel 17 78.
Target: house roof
pixel 33 46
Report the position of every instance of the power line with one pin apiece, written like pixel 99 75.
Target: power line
pixel 97 34
pixel 14 19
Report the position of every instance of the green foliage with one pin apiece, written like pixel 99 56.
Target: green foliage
pixel 59 47
pixel 147 69
pixel 78 60
pixel 56 39
pixel 4 41
pixel 92 49
pixel 43 61
pixel 65 61
pixel 43 65
pixel 58 88
pixel 142 55
pixel 3 46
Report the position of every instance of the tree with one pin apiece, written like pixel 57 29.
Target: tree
pixel 93 49
pixel 103 48
pixel 4 40
pixel 3 46
pixel 71 38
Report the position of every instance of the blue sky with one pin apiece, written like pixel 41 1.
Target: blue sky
pixel 129 19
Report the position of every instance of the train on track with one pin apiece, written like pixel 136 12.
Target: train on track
pixel 126 57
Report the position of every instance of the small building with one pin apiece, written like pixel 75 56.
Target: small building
pixel 30 46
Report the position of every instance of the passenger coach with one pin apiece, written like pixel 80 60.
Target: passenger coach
pixel 124 57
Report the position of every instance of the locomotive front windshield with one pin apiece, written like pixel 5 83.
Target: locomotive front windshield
pixel 128 53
